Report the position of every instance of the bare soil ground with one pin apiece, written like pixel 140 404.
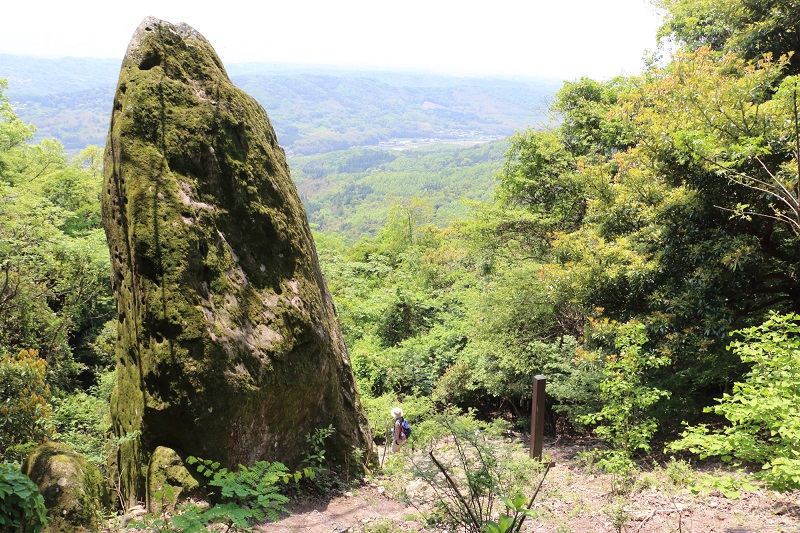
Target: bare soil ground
pixel 573 499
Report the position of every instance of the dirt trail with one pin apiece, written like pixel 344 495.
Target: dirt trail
pixel 572 501
pixel 350 511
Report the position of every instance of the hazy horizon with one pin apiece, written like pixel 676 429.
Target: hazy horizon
pixel 529 39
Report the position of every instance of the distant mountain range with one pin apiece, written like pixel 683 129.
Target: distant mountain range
pixel 314 110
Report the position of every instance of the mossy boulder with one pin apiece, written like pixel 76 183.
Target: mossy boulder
pixel 169 481
pixel 73 489
pixel 229 348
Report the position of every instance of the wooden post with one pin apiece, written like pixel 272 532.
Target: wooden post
pixel 537 417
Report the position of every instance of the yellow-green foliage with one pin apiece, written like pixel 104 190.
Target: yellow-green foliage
pixel 24 411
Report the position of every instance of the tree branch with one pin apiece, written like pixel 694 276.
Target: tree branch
pixel 546 470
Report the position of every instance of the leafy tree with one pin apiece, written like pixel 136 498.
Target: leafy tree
pixel 54 283
pixel 355 192
pixel 24 408
pixel 714 129
pixel 567 235
pixel 401 305
pixel 748 28
pixel 81 420
pixel 724 114
pixel 13 135
pixel 404 222
pixel 538 193
pixel 676 232
pixel 588 129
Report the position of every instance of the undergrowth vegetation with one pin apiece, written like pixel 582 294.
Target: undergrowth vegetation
pixel 238 498
pixel 21 506
pixel 472 471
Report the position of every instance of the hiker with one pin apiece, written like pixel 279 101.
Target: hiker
pixel 399 434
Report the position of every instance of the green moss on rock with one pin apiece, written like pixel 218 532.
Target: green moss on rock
pixel 229 348
pixel 167 468
pixel 73 489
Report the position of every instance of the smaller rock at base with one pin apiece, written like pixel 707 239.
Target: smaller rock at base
pixel 134 513
pixel 73 489
pixel 167 469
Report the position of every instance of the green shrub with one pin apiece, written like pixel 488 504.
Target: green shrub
pixel 680 473
pixel 623 470
pixel 762 410
pixel 82 420
pixel 315 456
pixel 618 514
pixel 378 411
pixel 21 506
pixel 416 409
pixel 373 367
pixel 623 420
pixel 248 495
pixel 731 486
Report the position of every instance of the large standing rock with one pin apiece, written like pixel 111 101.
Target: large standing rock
pixel 228 346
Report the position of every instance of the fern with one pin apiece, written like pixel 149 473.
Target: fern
pixel 256 487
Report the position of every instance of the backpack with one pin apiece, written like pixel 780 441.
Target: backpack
pixel 405 430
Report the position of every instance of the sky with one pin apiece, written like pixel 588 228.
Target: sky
pixel 564 39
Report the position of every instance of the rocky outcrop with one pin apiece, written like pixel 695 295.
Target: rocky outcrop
pixel 228 348
pixel 73 489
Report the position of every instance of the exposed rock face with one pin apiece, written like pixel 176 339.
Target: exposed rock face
pixel 228 346
pixel 73 489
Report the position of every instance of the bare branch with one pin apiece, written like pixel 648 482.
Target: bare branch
pixel 530 503
pixel 455 489
pixel 776 190
pixel 779 217
pixel 788 194
pixel 796 135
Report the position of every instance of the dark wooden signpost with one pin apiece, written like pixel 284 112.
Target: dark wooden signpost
pixel 537 417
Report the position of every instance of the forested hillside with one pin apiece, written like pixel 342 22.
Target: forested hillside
pixel 641 251
pixel 313 111
pixel 352 192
